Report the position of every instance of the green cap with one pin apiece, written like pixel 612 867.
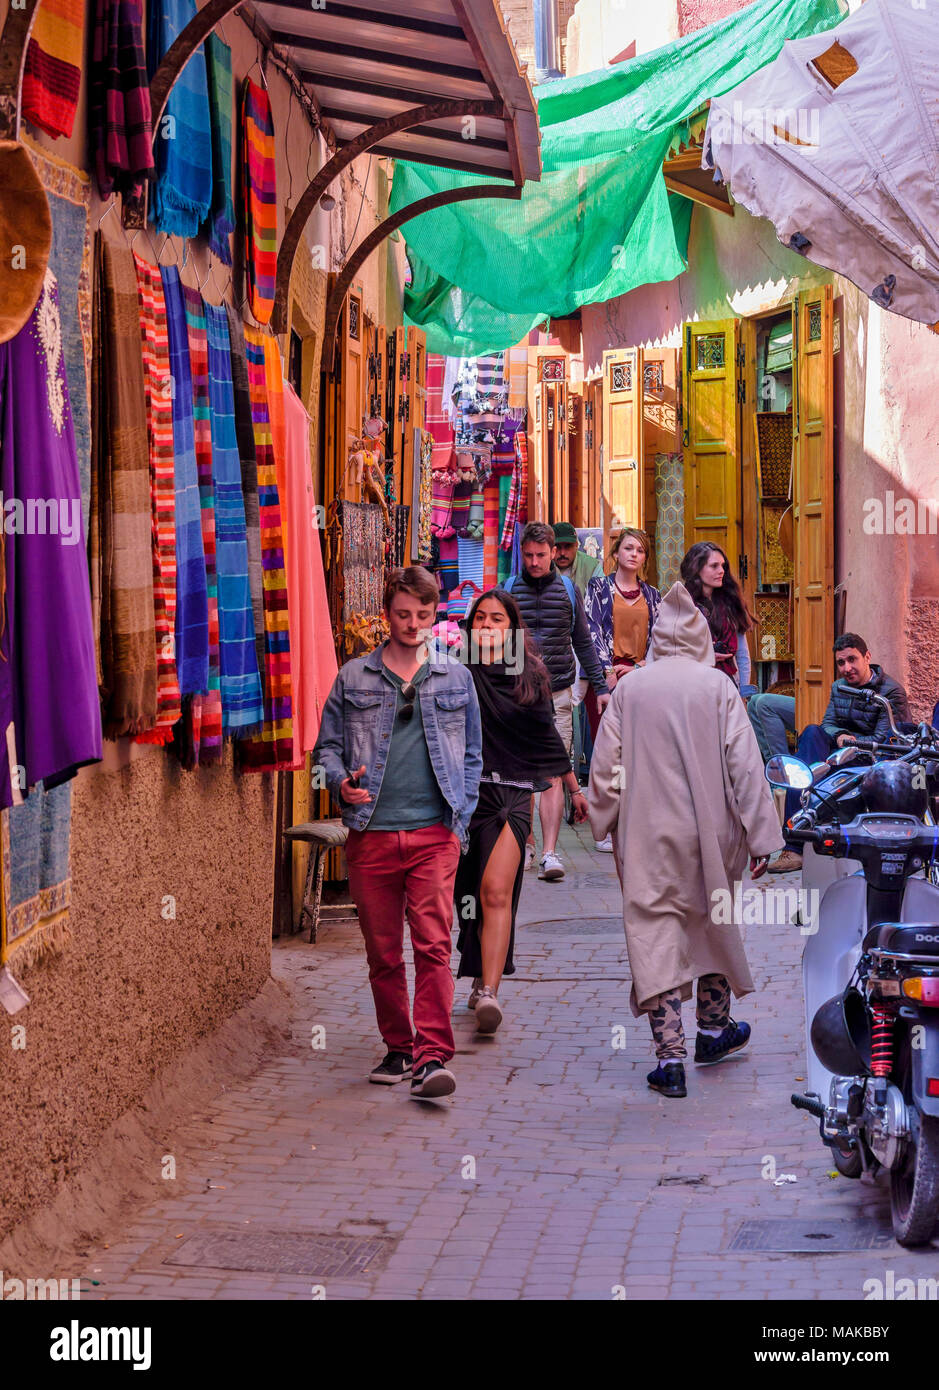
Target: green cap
pixel 564 533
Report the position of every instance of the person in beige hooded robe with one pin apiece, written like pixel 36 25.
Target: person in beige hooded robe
pixel 677 776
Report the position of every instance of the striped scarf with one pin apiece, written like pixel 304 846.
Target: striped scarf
pixel 517 377
pixel 192 604
pixel 436 421
pixel 119 118
pixel 242 702
pixel 491 533
pixel 182 193
pixel 52 72
pixel 205 711
pixel 273 750
pixel 244 429
pixel 220 222
pixel 517 507
pixel 158 384
pixel 260 200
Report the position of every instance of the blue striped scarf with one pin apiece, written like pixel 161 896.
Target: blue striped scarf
pixel 242 699
pixel 192 611
pixel 182 194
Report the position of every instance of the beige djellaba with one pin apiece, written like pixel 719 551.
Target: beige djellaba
pixel 677 777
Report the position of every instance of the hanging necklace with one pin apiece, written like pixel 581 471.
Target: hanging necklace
pixel 629 594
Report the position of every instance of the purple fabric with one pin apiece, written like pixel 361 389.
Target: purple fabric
pixel 48 681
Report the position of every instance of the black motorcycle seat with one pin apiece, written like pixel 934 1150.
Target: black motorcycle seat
pixel 905 938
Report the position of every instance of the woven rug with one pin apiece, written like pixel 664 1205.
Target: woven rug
pixel 52 72
pixel 36 882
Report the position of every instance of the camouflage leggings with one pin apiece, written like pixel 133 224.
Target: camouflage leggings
pixel 665 1016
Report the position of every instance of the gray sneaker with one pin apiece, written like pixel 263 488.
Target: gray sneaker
pixel 551 868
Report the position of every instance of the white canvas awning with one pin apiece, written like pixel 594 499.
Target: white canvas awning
pixel 837 143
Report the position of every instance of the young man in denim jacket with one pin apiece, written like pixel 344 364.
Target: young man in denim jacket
pixel 401 748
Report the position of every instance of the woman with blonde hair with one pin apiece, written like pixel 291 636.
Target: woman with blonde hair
pixel 621 611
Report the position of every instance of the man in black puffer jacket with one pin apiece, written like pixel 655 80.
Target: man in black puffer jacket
pixel 554 613
pixel 847 717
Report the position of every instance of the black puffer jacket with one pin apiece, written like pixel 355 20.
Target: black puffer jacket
pixel 546 609
pixel 848 713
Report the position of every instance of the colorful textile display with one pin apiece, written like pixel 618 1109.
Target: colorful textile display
pixel 470 561
pixel 35 882
pixel 119 118
pixel 476 523
pixel 460 513
pixel 517 502
pixel 516 365
pixel 120 526
pixel 273 749
pixel 260 200
pixel 312 654
pixel 435 416
pixel 424 539
pixel 448 575
pixel 242 699
pixel 221 219
pixel 192 602
pixel 506 526
pixel 204 715
pixel 159 387
pixel 50 722
pixel 441 523
pixel 52 72
pixel 244 429
pixel 182 194
pixel 491 533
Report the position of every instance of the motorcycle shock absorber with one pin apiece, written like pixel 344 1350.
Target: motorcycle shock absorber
pixel 881 1041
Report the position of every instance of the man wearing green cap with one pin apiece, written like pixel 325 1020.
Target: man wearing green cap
pixel 571 560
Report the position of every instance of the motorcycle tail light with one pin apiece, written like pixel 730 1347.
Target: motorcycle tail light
pixel 923 988
pixel 932 1086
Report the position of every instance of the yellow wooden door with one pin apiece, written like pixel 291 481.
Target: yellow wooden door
pixel 813 502
pixel 710 435
pixel 622 439
pixel 591 452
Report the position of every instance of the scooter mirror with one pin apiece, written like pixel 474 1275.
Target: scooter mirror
pixel 784 770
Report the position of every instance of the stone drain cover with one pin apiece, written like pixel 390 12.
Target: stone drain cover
pixel 313 1256
pixel 819 1237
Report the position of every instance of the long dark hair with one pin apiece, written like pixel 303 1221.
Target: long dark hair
pixel 533 682
pixel 726 603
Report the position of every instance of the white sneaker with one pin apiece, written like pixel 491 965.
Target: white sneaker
pixel 529 856
pixel 604 846
pixel 551 868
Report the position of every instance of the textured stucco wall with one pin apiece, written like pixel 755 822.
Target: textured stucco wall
pixel 135 989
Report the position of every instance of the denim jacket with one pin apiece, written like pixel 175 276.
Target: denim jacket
pixel 357 724
pixel 598 605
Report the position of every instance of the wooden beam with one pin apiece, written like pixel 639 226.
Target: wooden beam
pixel 482 142
pixel 417 115
pixel 388 58
pixel 13 44
pixel 464 166
pixel 697 195
pixel 387 19
pixel 375 238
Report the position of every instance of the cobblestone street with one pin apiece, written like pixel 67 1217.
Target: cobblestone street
pixel 553 1173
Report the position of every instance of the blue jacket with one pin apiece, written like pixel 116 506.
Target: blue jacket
pixel 598 605
pixel 357 724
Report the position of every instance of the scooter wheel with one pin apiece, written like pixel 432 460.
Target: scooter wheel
pixel 914 1187
pixel 848 1162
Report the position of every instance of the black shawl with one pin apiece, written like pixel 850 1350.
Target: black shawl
pixel 520 742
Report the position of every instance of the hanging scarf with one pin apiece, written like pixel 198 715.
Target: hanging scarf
pixel 244 429
pixel 516 361
pixel 120 522
pixel 221 220
pixel 273 750
pixel 260 199
pixel 435 417
pixel 205 711
pixel 491 533
pixel 158 384
pixel 424 540
pixel 242 702
pixel 52 72
pixel 119 117
pixel 182 193
pixel 192 604
pixel 520 742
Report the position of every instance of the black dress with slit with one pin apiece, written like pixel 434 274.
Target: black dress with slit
pixel 522 751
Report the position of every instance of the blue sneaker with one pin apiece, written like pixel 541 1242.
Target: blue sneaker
pixel 708 1051
pixel 668 1079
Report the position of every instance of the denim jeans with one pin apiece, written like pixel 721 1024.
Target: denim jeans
pixel 771 716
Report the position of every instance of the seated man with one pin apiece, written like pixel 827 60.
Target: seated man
pixel 846 717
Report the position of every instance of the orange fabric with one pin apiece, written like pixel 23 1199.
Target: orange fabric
pixel 630 628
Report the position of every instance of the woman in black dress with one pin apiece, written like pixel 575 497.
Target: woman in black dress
pixel 522 751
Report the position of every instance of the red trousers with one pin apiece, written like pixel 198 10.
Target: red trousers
pixel 394 870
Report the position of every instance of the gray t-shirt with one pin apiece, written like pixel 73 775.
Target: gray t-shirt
pixel 410 797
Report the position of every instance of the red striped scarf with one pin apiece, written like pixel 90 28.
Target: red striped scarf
pixel 157 379
pixel 204 712
pixel 491 534
pixel 273 749
pixel 436 421
pixel 52 72
pixel 260 199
